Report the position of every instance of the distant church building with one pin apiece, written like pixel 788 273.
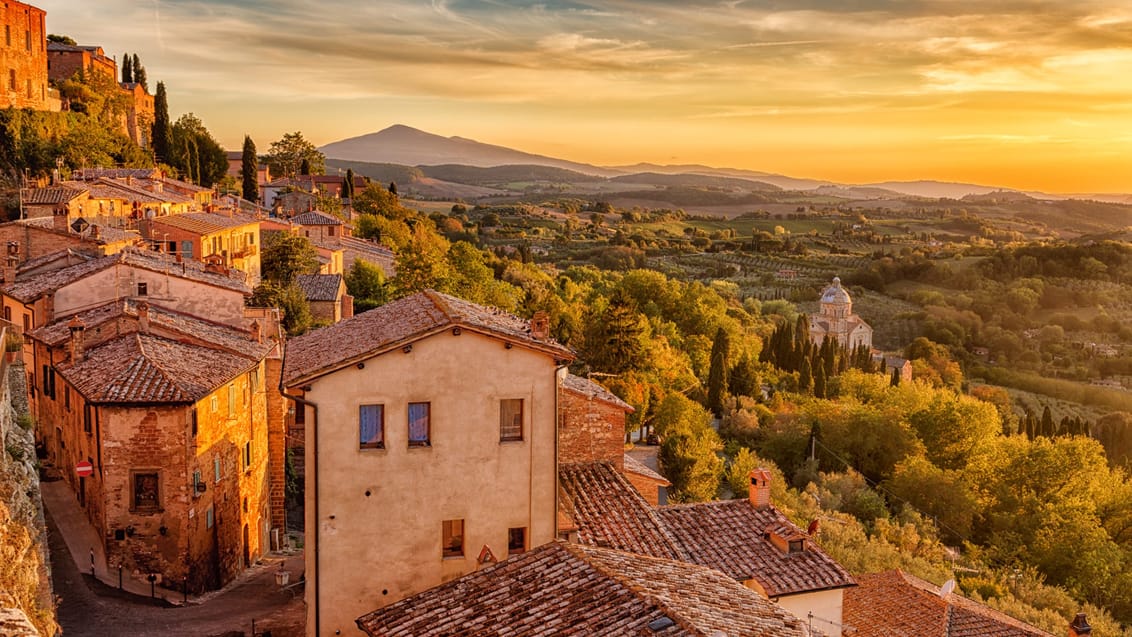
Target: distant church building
pixel 837 320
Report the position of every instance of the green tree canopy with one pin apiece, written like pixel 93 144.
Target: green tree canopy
pixel 286 156
pixel 286 256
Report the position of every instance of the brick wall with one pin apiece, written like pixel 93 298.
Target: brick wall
pixel 589 430
pixel 276 442
pixel 23 56
pixel 649 488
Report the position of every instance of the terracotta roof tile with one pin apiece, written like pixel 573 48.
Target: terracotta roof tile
pixel 402 321
pixel 730 536
pixel 316 218
pixel 27 289
pixel 590 389
pixel 106 234
pixel 51 194
pixel 202 222
pixel 562 589
pixel 161 320
pixel 896 603
pixel 143 368
pixel 320 287
pixel 610 513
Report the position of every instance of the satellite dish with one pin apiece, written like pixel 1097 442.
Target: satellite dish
pixel 948 586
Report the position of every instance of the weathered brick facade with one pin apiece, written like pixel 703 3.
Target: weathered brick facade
pixel 65 60
pixel 23 56
pixel 590 429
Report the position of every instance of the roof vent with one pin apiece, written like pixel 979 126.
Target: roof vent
pixel 661 623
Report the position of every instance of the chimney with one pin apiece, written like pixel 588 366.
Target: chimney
pixel 95 232
pixel 143 317
pixel 48 308
pixel 255 331
pixel 78 339
pixel 12 262
pixel 1080 626
pixel 129 180
pixel 59 220
pixel 759 491
pixel 540 325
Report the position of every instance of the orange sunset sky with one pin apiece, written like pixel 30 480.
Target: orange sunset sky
pixel 1026 94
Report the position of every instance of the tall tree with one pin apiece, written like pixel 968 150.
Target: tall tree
pixel 286 156
pixel 393 188
pixel 348 184
pixel 286 256
pixel 139 73
pixel 127 69
pixel 162 127
pixel 718 371
pixel 615 341
pixel 195 153
pixel 249 169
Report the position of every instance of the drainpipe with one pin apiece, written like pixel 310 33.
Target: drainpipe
pixel 557 388
pixel 302 403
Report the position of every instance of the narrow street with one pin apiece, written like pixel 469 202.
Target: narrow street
pixel 88 607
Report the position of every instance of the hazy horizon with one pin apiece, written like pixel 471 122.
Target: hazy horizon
pixel 1025 94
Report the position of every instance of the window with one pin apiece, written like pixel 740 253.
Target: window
pixel 146 490
pixel 27 39
pixel 208 519
pixel 11 79
pixel 143 289
pixel 248 454
pixel 511 419
pixel 196 480
pixel 27 322
pixel 232 399
pixel 797 546
pixel 516 540
pixel 216 468
pixel 214 404
pixel 49 382
pixel 453 538
pixel 418 424
pixel 87 417
pixel 29 88
pixel 8 34
pixel 300 414
pixel 193 422
pixel 7 314
pixel 371 426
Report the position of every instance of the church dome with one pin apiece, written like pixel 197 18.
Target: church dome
pixel 835 293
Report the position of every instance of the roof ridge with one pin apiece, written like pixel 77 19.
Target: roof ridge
pixel 441 304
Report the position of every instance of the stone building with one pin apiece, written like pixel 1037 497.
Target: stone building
pixel 23 58
pixel 64 61
pixel 327 296
pixel 138 118
pixel 419 464
pixel 837 320
pixel 170 411
pixel 230 239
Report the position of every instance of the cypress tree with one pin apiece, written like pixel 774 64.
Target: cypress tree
pixel 805 376
pixel 250 170
pixel 305 167
pixel 819 382
pixel 895 382
pixel 139 73
pixel 127 69
pixel 348 184
pixel 162 127
pixel 1047 422
pixel 393 188
pixel 717 374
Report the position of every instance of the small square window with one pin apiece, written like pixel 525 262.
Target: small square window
pixel 453 538
pixel 147 490
pixel 517 540
pixel 511 419
pixel 419 424
pixel 371 426
pixel 797 546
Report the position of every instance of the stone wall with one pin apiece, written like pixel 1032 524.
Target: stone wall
pixel 25 578
pixel 590 430
pixel 23 57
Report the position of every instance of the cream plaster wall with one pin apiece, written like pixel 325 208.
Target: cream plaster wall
pixel 826 607
pixel 381 510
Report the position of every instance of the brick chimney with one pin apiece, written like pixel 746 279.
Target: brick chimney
pixel 78 339
pixel 759 491
pixel 540 325
pixel 1080 627
pixel 143 317
pixel 59 220
pixel 255 331
pixel 12 262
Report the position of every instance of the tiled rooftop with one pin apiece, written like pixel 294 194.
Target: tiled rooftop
pixel 183 327
pixel 203 222
pixel 106 234
pixel 50 195
pixel 27 289
pixel 320 287
pixel 590 389
pixel 316 218
pixel 402 321
pixel 610 513
pixel 115 173
pixel 148 369
pixel 571 590
pixel 730 536
pixel 896 603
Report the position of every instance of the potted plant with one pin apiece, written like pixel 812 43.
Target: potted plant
pixel 13 345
